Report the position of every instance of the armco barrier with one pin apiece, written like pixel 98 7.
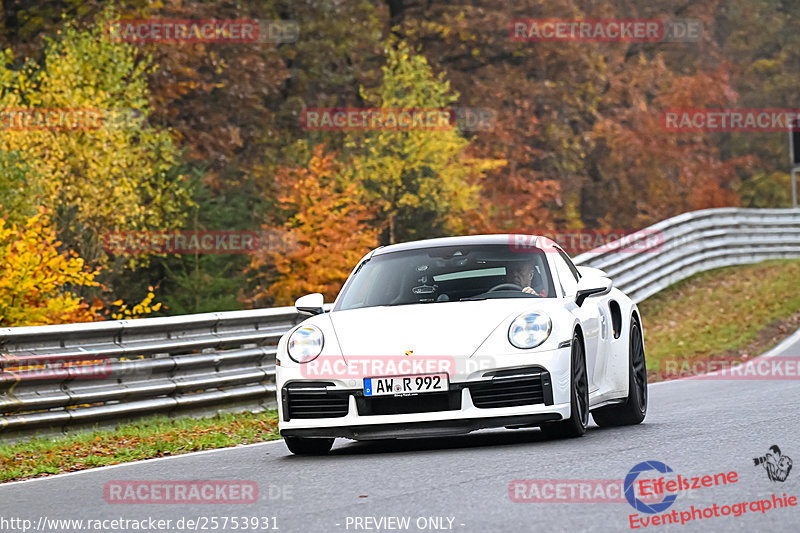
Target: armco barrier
pixel 698 241
pixel 58 376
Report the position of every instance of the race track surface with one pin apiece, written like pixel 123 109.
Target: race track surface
pixel 697 427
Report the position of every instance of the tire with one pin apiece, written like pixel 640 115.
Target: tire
pixel 306 446
pixel 575 425
pixel 634 409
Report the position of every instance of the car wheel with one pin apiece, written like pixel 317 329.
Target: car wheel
pixel 634 409
pixel 306 446
pixel 575 425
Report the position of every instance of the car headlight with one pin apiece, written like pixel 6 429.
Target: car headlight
pixel 529 330
pixel 305 344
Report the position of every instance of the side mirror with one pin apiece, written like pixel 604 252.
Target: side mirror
pixel 590 286
pixel 591 272
pixel 310 303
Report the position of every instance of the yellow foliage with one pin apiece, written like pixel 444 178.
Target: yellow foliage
pixel 35 277
pixel 36 280
pixel 113 170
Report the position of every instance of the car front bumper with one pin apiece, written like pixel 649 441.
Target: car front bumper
pixel 505 395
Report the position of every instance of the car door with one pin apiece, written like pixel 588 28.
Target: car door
pixel 588 314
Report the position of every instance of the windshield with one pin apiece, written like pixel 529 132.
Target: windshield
pixel 447 274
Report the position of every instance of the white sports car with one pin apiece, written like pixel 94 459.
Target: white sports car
pixel 447 336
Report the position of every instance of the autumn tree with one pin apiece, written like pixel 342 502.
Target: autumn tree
pixel 233 108
pixel 422 181
pixel 117 172
pixel 18 188
pixel 210 135
pixel 762 46
pixel 36 279
pixel 578 121
pixel 328 230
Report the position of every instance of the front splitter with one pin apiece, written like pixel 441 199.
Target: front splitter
pixel 437 428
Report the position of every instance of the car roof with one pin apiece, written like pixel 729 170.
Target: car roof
pixel 513 239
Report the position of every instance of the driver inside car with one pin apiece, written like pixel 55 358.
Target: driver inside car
pixel 524 274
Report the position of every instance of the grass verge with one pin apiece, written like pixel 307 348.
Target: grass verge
pixel 732 313
pixel 735 311
pixel 145 439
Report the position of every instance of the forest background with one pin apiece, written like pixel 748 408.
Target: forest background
pixel 211 139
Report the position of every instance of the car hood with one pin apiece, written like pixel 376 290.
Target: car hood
pixel 434 329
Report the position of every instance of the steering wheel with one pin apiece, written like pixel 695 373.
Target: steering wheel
pixel 505 287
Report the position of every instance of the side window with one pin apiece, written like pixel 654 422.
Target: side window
pixel 568 280
pixel 570 264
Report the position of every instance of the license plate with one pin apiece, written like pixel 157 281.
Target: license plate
pixel 411 385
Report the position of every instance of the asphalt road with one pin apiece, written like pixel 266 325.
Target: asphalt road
pixel 697 427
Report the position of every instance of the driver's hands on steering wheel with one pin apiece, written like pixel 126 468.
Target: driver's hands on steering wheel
pixel 529 290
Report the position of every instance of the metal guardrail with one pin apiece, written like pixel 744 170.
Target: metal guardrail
pixel 79 374
pixel 698 241
pixel 55 376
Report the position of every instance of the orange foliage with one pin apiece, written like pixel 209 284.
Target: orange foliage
pixel 329 232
